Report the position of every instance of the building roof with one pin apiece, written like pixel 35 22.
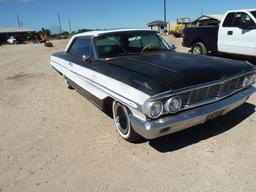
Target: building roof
pixel 157 22
pixel 14 30
pixel 206 17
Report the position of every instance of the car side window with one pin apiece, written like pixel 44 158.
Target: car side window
pixel 253 13
pixel 241 19
pixel 135 42
pixel 81 46
pixel 228 22
pixel 74 47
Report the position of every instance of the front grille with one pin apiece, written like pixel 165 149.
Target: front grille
pixel 184 98
pixel 203 94
pixel 213 91
pixel 210 92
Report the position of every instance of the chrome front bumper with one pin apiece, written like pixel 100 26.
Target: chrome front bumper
pixel 151 129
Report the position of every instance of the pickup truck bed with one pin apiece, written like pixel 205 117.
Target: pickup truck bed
pixel 208 35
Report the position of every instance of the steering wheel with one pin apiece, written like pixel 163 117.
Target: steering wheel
pixel 147 47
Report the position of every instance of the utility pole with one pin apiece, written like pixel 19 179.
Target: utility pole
pixel 18 19
pixel 59 22
pixel 69 24
pixel 165 10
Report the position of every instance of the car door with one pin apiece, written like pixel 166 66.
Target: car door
pixel 253 14
pixel 79 62
pixel 234 38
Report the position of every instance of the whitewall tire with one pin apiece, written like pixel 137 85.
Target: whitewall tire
pixel 122 123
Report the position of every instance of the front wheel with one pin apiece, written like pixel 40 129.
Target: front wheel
pixel 199 49
pixel 123 124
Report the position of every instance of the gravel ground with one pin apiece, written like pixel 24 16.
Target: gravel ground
pixel 52 139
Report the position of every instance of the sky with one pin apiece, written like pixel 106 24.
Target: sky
pixel 107 14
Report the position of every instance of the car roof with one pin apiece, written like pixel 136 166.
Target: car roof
pixel 100 32
pixel 249 10
pixel 96 33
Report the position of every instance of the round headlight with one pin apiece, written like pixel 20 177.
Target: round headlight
pixel 153 109
pixel 253 78
pixel 173 105
pixel 246 82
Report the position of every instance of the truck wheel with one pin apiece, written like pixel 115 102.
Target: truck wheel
pixel 177 35
pixel 123 124
pixel 199 49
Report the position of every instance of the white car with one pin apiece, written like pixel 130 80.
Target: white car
pixel 149 89
pixel 11 40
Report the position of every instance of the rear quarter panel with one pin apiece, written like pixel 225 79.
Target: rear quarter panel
pixel 207 35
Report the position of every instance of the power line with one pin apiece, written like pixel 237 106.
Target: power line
pixel 165 10
pixel 59 23
pixel 18 19
pixel 202 12
pixel 69 24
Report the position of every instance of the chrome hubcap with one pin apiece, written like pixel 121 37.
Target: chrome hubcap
pixel 121 119
pixel 197 50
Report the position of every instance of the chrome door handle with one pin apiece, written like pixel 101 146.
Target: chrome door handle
pixel 70 64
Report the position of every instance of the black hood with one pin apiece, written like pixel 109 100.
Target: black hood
pixel 159 72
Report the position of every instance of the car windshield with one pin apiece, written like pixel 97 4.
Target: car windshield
pixel 253 13
pixel 128 43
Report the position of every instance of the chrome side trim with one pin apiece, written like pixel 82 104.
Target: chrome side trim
pixel 156 128
pixel 104 89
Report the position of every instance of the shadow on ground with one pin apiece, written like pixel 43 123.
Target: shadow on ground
pixel 198 133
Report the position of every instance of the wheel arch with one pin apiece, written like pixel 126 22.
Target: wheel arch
pixel 196 40
pixel 107 106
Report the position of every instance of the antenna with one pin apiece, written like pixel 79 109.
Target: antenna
pixel 59 22
pixel 18 19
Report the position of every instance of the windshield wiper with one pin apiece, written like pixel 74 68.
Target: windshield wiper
pixel 126 54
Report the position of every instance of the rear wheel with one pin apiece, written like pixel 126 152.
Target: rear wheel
pixel 123 124
pixel 177 35
pixel 199 49
pixel 67 83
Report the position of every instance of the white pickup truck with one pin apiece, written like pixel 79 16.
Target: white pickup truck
pixel 236 34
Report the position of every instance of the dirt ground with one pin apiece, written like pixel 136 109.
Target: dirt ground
pixel 53 139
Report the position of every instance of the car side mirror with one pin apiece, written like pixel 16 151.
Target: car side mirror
pixel 86 58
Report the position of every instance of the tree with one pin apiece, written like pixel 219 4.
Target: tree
pixel 44 32
pixel 83 30
pixel 66 33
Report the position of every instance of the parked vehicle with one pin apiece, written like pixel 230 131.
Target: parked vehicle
pixel 177 28
pixel 235 35
pixel 14 40
pixel 148 88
